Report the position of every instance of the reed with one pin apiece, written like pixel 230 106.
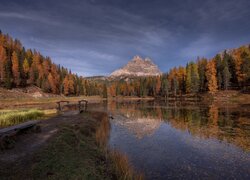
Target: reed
pixel 119 162
pixel 123 169
pixel 102 131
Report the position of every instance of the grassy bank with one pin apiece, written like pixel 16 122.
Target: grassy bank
pixel 229 96
pixel 50 102
pixel 47 102
pixel 79 152
pixel 13 117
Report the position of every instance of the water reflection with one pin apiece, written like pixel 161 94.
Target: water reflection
pixel 103 130
pixel 183 141
pixel 231 124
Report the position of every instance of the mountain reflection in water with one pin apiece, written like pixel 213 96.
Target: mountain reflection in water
pixel 183 141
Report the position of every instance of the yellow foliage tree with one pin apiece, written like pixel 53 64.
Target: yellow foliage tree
pixel 52 83
pixel 68 85
pixel 211 76
pixel 15 68
pixel 26 66
pixel 158 85
pixel 3 61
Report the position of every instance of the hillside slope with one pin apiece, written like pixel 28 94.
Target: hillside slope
pixel 26 92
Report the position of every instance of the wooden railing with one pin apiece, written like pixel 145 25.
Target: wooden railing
pixel 82 105
pixel 59 103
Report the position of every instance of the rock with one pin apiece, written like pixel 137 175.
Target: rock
pixel 138 67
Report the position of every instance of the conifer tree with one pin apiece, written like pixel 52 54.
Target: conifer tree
pixel 195 79
pixel 211 76
pixel 232 68
pixel 226 74
pixel 238 64
pixel 3 62
pixel 15 69
pixel 175 86
pixel 68 85
pixel 158 85
pixel 104 91
pixel 165 87
pixel 245 69
pixel 201 70
pixel 188 78
pixel 26 67
pixel 52 84
pixel 219 71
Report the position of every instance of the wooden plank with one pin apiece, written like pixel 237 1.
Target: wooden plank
pixel 25 125
pixel 59 104
pixel 83 101
pixel 62 101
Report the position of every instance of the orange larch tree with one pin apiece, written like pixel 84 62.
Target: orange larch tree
pixel 211 76
pixel 56 77
pixel 68 84
pixel 26 67
pixel 3 62
pixel 158 85
pixel 15 69
pixel 52 83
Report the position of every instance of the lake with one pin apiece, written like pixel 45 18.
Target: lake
pixel 182 141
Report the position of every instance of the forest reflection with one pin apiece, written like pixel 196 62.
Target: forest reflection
pixel 225 123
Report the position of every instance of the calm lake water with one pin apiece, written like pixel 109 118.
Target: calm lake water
pixel 176 141
pixel 181 141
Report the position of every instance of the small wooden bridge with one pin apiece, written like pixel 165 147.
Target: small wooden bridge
pixel 80 105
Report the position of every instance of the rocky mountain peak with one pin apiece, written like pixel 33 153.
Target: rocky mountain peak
pixel 138 67
pixel 137 59
pixel 148 59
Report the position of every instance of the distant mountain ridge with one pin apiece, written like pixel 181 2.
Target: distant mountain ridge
pixel 137 67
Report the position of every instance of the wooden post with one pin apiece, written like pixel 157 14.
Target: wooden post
pixel 85 103
pixel 79 106
pixel 59 106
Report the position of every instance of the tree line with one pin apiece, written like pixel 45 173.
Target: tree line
pixel 227 70
pixel 20 68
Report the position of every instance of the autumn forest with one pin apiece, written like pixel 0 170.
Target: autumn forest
pixel 20 67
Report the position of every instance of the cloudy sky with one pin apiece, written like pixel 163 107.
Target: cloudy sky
pixel 95 37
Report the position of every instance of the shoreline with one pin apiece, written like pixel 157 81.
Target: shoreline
pixel 221 97
pixel 76 149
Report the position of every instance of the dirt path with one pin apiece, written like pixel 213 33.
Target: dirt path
pixel 19 157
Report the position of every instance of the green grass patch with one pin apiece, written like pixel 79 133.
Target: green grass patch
pixel 73 154
pixel 13 117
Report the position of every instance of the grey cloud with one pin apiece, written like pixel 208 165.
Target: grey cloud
pixel 94 37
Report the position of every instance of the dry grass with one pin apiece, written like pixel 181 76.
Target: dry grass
pixel 103 130
pixel 122 167
pixel 119 162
